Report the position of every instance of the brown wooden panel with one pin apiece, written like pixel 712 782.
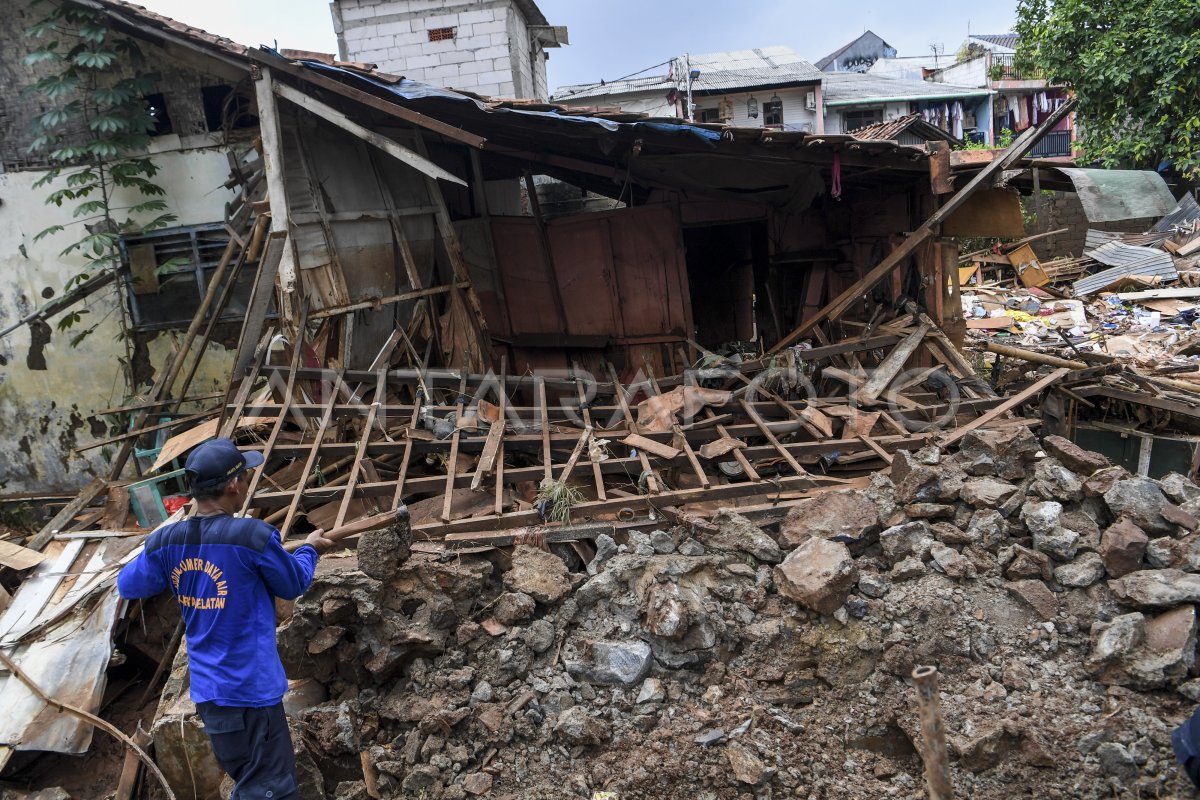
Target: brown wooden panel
pixel 525 276
pixel 583 262
pixel 650 271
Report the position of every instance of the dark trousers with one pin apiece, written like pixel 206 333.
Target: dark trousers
pixel 1186 741
pixel 254 746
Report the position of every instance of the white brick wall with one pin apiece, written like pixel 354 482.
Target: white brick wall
pixel 490 53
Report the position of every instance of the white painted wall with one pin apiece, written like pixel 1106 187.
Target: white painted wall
pixel 491 52
pixel 43 413
pixel 795 116
pixel 834 116
pixel 966 73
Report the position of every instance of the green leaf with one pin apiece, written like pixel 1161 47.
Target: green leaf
pixel 47 53
pixel 149 205
pixel 172 266
pixel 53 229
pixel 95 59
pixel 90 207
pixel 161 221
pixel 108 123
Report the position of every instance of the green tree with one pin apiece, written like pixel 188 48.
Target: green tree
pixel 1135 67
pixel 95 130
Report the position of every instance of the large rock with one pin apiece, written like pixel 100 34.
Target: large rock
pixel 1037 596
pixel 1053 481
pixel 1028 563
pixel 576 727
pixel 1122 547
pixel 847 517
pixel 1168 652
pixel 818 574
pixel 986 492
pixel 1059 543
pixel 929 485
pixel 910 539
pixel 1142 501
pixel 1010 450
pixel 1157 588
pixel 745 766
pixel 949 561
pixel 614 663
pixel 987 528
pixel 1112 641
pixel 382 552
pixel 1179 489
pixel 541 575
pixel 1074 457
pixel 1082 572
pixel 735 533
pixel 1103 480
pixel 1041 517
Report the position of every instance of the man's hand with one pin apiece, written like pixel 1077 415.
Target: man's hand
pixel 318 541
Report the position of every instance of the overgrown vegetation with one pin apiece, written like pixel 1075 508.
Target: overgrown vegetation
pixel 1135 67
pixel 95 132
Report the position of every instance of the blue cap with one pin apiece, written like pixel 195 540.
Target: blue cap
pixel 218 461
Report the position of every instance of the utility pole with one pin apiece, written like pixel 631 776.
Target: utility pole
pixel 691 110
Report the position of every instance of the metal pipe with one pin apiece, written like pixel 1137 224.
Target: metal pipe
pixel 1032 356
pixel 937 761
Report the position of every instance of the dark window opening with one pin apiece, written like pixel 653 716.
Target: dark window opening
pixel 441 34
pixel 225 109
pixel 708 115
pixel 168 272
pixel 156 107
pixel 853 120
pixel 773 113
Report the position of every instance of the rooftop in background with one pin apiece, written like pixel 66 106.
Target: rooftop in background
pixel 1007 41
pixel 916 128
pixel 872 40
pixel 719 72
pixel 849 88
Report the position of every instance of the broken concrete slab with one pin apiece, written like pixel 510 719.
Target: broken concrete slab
pixel 818 574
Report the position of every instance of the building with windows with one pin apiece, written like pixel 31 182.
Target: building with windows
pixel 854 101
pixel 768 87
pixel 1020 99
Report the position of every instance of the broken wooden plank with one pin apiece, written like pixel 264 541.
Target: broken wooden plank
pixel 396 151
pixel 63 518
pixel 883 375
pixel 1009 404
pixel 19 558
pixel 664 451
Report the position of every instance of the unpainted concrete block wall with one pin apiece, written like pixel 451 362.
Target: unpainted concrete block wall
pixel 490 52
pixel 1063 210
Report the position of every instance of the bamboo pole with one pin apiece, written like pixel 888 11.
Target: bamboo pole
pixel 937 760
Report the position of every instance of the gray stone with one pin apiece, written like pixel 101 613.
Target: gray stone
pixel 979 465
pixel 1141 501
pixel 1163 552
pixel 1035 593
pixel 613 663
pixel 539 635
pixel 929 510
pixel 744 765
pixel 1041 517
pixel 1082 572
pixel 986 492
pixel 1157 588
pixel 606 548
pixel 873 585
pixel 1117 638
pixel 1058 543
pixel 638 543
pixel 1190 689
pixel 576 727
pixel 482 693
pixel 735 534
pixel 987 529
pixel 420 780
pixel 818 574
pixel 882 492
pixel 847 517
pixel 908 568
pixel 382 552
pixel 1118 762
pixel 929 485
pixel 662 542
pixel 909 539
pixel 652 691
pixel 690 547
pixel 948 533
pixel 1178 488
pixel 1168 652
pixel 1053 481
pixel 949 561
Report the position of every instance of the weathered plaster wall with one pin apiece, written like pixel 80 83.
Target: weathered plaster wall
pixel 48 389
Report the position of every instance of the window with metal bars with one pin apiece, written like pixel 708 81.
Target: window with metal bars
pixel 168 271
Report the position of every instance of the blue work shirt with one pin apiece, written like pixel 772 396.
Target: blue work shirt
pixel 225 572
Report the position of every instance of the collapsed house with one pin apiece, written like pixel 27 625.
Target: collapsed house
pixel 606 427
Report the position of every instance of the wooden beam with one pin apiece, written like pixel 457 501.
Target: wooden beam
pixel 335 117
pixel 851 295
pixel 1009 404
pixel 883 375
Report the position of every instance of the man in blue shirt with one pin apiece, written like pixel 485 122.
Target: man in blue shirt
pixel 226 572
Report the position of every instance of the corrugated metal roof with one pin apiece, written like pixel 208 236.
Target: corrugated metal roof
pixel 1125 260
pixel 1185 214
pixel 1005 40
pixel 1110 195
pixel 851 88
pixel 719 72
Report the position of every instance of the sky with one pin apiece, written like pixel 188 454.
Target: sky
pixel 611 39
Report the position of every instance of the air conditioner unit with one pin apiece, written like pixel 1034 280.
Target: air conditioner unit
pixel 810 101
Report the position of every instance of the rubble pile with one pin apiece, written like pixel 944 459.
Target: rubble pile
pixel 1054 592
